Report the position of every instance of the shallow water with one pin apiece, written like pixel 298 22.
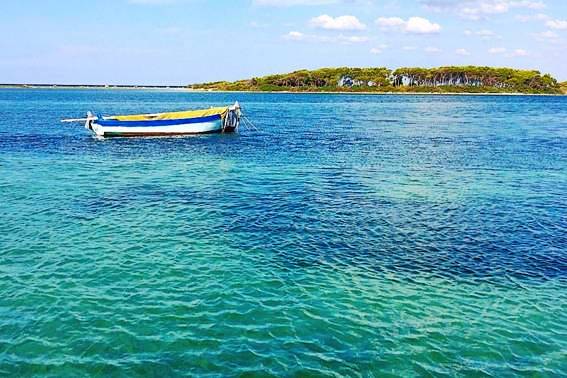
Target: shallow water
pixel 353 235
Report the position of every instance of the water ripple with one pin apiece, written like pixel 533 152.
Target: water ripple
pixel 352 236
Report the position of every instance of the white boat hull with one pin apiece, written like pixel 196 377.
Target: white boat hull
pixel 207 121
pixel 182 129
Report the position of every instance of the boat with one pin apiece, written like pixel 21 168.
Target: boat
pixel 224 119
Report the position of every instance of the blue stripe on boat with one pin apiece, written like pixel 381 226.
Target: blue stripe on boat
pixel 157 122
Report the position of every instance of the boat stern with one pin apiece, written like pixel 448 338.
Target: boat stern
pixel 232 118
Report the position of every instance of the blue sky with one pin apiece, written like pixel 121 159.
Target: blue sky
pixel 185 41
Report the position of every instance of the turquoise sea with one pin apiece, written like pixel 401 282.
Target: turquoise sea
pixel 352 235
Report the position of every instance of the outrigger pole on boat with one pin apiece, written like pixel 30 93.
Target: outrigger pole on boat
pixel 214 120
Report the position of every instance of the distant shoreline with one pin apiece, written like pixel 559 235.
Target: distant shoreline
pixel 389 93
pixel 187 89
pixel 88 86
pixel 411 80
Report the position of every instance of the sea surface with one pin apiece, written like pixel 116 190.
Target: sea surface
pixel 350 235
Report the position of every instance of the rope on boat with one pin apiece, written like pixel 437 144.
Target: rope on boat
pixel 248 123
pixel 243 124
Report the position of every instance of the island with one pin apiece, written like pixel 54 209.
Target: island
pixel 460 79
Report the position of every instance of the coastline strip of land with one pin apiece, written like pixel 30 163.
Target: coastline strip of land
pixel 89 86
pixel 439 80
pixel 470 80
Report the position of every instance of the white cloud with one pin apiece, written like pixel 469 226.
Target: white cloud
pixel 337 23
pixel 152 2
pixel 548 34
pixel 432 50
pixel 463 52
pixel 438 5
pixel 294 36
pixel 497 50
pixel 509 54
pixel 342 39
pixel 519 52
pixel 483 33
pixel 557 24
pixel 409 48
pixel 379 49
pixel 529 17
pixel 389 22
pixel 523 17
pixel 527 4
pixel 415 25
pixel 421 26
pixel 477 9
pixel 482 9
pixel 350 39
pixel 290 3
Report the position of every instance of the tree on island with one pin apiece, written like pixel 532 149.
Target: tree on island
pixel 467 79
